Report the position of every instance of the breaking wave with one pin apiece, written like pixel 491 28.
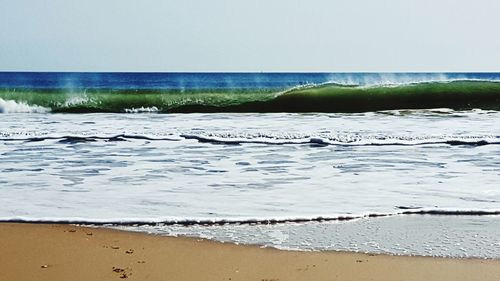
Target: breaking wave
pixel 11 106
pixel 329 97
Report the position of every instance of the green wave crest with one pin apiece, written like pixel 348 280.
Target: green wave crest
pixel 460 95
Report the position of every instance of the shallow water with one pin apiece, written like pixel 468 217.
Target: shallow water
pixel 234 167
pixel 421 235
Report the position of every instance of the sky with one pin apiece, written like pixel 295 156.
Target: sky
pixel 250 35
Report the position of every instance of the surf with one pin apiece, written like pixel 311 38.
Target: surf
pixel 11 106
pixel 327 98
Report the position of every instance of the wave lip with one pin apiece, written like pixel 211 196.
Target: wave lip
pixel 11 106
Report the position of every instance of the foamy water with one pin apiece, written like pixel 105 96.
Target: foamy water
pixel 228 167
pixel 455 236
pixel 10 106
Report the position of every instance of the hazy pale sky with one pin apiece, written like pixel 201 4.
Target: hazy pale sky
pixel 250 35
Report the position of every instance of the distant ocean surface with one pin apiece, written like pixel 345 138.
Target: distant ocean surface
pixel 251 148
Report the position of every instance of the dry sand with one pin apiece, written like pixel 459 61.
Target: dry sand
pixel 64 252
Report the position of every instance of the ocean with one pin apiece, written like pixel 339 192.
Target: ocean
pixel 399 163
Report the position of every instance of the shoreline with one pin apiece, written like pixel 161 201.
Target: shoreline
pixel 68 252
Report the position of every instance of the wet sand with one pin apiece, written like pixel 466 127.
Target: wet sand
pixel 64 252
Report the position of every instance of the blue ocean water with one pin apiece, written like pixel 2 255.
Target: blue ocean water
pixel 117 80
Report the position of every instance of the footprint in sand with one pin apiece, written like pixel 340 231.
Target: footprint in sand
pixel 122 273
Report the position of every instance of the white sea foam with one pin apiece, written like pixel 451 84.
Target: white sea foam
pixel 124 168
pixel 340 138
pixel 152 109
pixel 10 106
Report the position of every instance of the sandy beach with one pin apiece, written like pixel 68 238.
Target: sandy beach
pixel 65 252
